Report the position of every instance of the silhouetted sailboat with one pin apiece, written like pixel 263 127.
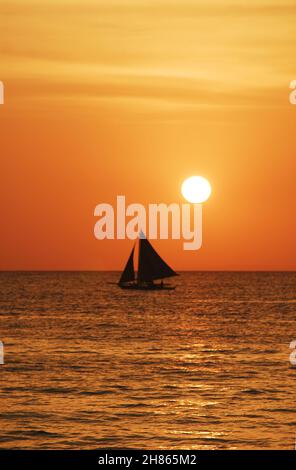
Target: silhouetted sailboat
pixel 151 267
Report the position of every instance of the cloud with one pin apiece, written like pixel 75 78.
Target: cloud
pixel 190 53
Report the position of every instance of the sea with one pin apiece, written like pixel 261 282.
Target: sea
pixel 90 366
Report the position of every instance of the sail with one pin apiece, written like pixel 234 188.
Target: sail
pixel 128 273
pixel 151 266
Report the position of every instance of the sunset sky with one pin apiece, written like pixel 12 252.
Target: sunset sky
pixel 106 97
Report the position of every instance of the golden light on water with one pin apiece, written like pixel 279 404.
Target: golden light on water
pixel 196 189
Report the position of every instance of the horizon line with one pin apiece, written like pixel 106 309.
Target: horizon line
pixel 120 270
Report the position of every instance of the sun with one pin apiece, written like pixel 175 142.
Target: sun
pixel 196 189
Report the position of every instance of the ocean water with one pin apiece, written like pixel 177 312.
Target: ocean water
pixel 206 366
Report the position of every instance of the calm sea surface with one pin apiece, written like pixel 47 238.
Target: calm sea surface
pixel 88 365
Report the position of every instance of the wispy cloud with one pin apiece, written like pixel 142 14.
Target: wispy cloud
pixel 187 52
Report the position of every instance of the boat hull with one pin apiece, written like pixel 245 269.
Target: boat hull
pixel 139 287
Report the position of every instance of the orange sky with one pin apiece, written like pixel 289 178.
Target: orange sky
pixel 106 97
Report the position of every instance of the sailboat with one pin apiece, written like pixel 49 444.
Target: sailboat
pixel 151 267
